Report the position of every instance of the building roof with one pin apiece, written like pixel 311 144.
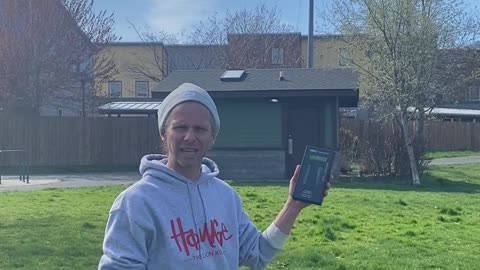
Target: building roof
pixel 132 44
pixel 194 46
pixel 258 83
pixel 455 112
pixel 265 79
pixel 451 112
pixel 129 107
pixel 254 83
pixel 265 34
pixel 466 106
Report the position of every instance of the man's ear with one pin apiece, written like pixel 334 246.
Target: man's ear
pixel 213 141
pixel 162 135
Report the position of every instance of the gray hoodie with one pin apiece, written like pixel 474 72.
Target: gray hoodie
pixel 166 221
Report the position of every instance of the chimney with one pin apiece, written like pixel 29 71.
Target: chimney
pixel 280 77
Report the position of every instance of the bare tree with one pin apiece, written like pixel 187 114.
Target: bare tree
pixel 276 50
pixel 241 39
pixel 260 20
pixel 414 50
pixel 250 36
pixel 98 27
pixel 154 63
pixel 10 64
pixel 165 54
pixel 54 46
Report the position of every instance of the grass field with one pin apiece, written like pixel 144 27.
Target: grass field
pixel 364 224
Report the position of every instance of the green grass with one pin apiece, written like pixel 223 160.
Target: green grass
pixel 450 154
pixel 363 224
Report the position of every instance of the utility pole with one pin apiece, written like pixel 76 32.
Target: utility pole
pixel 310 35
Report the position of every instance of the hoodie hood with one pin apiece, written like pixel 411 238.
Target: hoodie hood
pixel 155 165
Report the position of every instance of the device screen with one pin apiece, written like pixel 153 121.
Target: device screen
pixel 313 175
pixel 319 162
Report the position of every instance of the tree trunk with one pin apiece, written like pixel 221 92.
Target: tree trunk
pixel 408 145
pixel 420 139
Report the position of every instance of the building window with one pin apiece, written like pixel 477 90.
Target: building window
pixel 141 88
pixel 474 93
pixel 345 57
pixel 277 56
pixel 115 88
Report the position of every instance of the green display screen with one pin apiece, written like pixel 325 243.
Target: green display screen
pixel 318 158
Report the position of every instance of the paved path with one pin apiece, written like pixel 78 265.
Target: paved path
pixel 11 183
pixel 455 161
pixel 38 182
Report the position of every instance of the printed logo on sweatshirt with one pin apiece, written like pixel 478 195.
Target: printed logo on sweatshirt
pixel 215 234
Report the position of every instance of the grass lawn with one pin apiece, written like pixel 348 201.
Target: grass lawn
pixel 363 224
pixel 450 154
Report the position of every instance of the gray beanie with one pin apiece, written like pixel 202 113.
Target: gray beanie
pixel 183 93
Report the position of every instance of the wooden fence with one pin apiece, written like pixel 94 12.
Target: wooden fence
pixel 79 141
pixel 439 136
pixel 453 136
pixel 118 141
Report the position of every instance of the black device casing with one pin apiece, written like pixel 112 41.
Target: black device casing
pixel 315 170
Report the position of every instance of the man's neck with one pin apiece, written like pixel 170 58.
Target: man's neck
pixel 192 173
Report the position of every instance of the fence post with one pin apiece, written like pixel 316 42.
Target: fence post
pixel 473 145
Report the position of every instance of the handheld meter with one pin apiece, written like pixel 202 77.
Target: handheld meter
pixel 315 171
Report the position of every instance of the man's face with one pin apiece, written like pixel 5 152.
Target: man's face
pixel 188 135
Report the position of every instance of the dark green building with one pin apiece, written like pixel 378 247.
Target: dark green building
pixel 268 116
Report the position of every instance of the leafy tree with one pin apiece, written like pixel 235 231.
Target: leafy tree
pixel 414 50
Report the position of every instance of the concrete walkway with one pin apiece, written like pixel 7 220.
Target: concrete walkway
pixel 455 161
pixel 38 182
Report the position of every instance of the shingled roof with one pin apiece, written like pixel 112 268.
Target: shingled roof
pixel 254 83
pixel 264 80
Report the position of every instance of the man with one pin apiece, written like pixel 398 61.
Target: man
pixel 180 215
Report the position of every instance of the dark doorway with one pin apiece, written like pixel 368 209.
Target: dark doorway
pixel 303 128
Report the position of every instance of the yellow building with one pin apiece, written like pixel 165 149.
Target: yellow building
pixel 329 51
pixel 139 67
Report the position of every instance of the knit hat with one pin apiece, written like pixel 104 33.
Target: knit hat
pixel 183 93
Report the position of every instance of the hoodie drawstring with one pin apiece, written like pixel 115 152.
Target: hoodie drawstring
pixel 203 204
pixel 197 232
pixel 194 221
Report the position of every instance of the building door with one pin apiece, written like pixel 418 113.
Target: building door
pixel 303 128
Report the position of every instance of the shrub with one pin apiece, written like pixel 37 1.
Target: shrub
pixel 377 148
pixel 348 150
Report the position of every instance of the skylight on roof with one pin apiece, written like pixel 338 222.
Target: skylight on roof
pixel 232 75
